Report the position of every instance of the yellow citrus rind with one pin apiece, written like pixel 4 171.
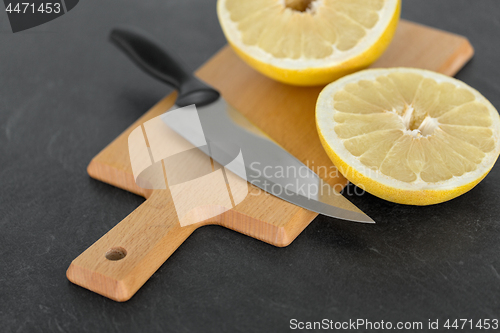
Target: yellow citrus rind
pixel 377 184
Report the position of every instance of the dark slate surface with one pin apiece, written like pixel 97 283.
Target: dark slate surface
pixel 65 93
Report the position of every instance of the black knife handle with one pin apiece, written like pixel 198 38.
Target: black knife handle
pixel 153 59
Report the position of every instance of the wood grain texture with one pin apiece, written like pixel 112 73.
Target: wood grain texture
pixel 152 232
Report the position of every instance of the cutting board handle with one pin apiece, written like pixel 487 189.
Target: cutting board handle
pixel 122 260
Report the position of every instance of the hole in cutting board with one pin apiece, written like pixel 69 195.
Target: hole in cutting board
pixel 116 253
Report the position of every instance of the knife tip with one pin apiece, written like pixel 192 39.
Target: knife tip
pixel 369 220
pixel 366 219
pixel 359 217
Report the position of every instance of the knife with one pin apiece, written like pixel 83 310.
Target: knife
pixel 266 165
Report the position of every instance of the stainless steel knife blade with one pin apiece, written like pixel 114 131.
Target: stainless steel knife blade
pixel 266 165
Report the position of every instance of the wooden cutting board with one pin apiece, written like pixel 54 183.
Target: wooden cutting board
pixel 150 234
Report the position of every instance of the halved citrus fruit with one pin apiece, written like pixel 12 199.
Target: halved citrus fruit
pixel 308 42
pixel 409 136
